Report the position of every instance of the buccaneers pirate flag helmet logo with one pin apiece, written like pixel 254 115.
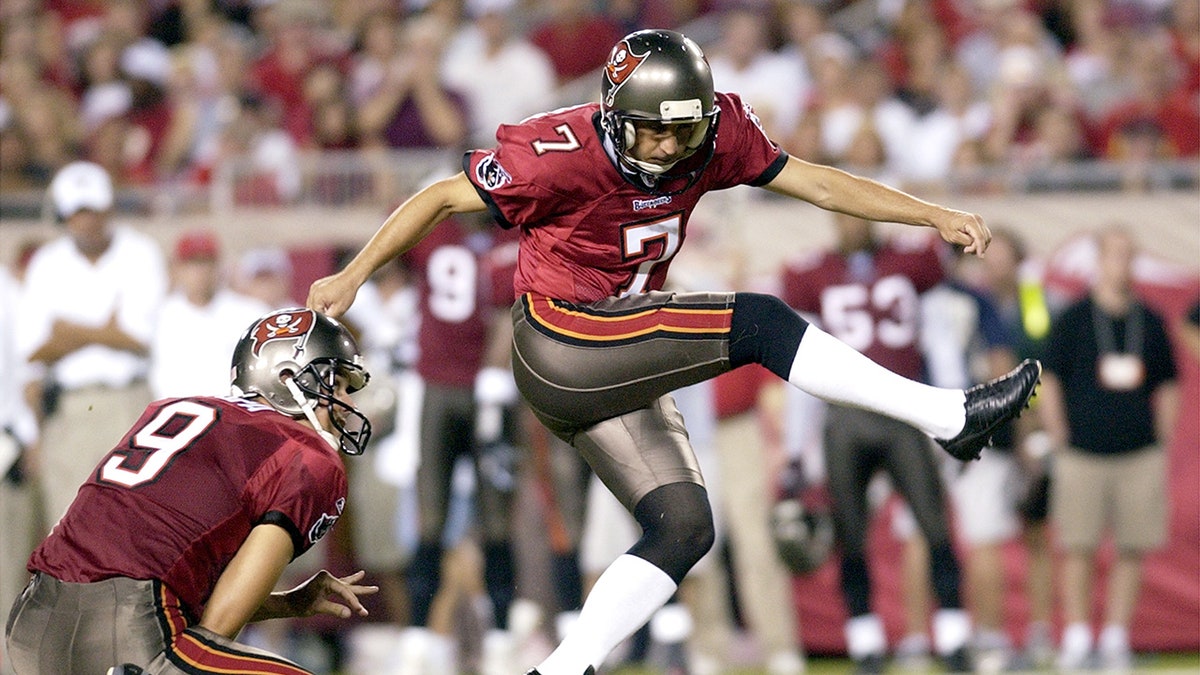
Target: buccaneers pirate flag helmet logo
pixel 621 64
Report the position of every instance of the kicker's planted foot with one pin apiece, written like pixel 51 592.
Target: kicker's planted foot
pixel 990 405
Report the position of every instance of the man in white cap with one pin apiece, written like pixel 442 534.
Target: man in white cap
pixel 265 274
pixel 84 323
pixel 185 361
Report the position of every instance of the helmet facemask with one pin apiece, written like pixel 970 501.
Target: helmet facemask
pixel 316 384
pixel 699 136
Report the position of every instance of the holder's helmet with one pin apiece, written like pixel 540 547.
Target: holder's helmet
pixel 659 76
pixel 803 534
pixel 292 359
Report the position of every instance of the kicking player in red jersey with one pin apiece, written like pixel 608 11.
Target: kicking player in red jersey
pixel 176 541
pixel 602 194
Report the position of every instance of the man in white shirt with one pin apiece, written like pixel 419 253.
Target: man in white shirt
pixel 742 62
pixel 199 324
pixel 18 434
pixel 265 274
pixel 84 323
pixel 504 77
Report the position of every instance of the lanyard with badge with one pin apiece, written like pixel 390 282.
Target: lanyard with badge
pixel 1119 370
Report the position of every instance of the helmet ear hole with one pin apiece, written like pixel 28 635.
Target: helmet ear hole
pixel 285 372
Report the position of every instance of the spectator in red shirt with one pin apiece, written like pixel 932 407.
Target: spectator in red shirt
pixel 294 49
pixel 576 40
pixel 35 34
pixel 402 102
pixel 1185 41
pixel 146 67
pixel 44 115
pixel 1158 101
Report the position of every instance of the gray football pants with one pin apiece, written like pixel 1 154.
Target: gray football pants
pixel 599 375
pixel 60 628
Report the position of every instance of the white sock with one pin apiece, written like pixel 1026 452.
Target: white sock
pixel 864 635
pixel 832 370
pixel 951 630
pixel 423 650
pixel 1114 639
pixel 671 624
pixel 1077 640
pixel 625 596
pixel 564 622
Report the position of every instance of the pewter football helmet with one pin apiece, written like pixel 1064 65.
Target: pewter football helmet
pixel 659 76
pixel 314 350
pixel 803 535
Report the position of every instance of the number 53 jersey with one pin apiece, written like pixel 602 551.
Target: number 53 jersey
pixel 587 233
pixel 176 498
pixel 870 299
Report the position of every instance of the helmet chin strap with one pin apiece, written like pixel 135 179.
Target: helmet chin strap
pixel 309 408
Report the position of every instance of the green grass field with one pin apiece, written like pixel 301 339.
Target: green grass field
pixel 1182 663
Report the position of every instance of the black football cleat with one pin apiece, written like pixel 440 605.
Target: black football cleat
pixel 990 405
pixel 125 669
pixel 959 661
pixel 870 664
pixel 590 671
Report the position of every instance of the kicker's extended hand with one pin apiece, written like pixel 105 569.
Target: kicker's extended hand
pixel 964 229
pixel 332 295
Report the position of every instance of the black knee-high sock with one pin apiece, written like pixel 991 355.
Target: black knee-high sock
pixel 764 330
pixel 856 584
pixel 568 581
pixel 498 577
pixel 943 568
pixel 424 578
pixel 677 528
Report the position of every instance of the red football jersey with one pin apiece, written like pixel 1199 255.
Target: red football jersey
pixel 176 498
pixel 462 276
pixel 870 300
pixel 587 233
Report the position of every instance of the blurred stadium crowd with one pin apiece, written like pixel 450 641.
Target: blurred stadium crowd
pixel 163 92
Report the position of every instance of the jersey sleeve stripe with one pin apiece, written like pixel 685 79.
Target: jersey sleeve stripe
pixel 299 542
pixel 771 171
